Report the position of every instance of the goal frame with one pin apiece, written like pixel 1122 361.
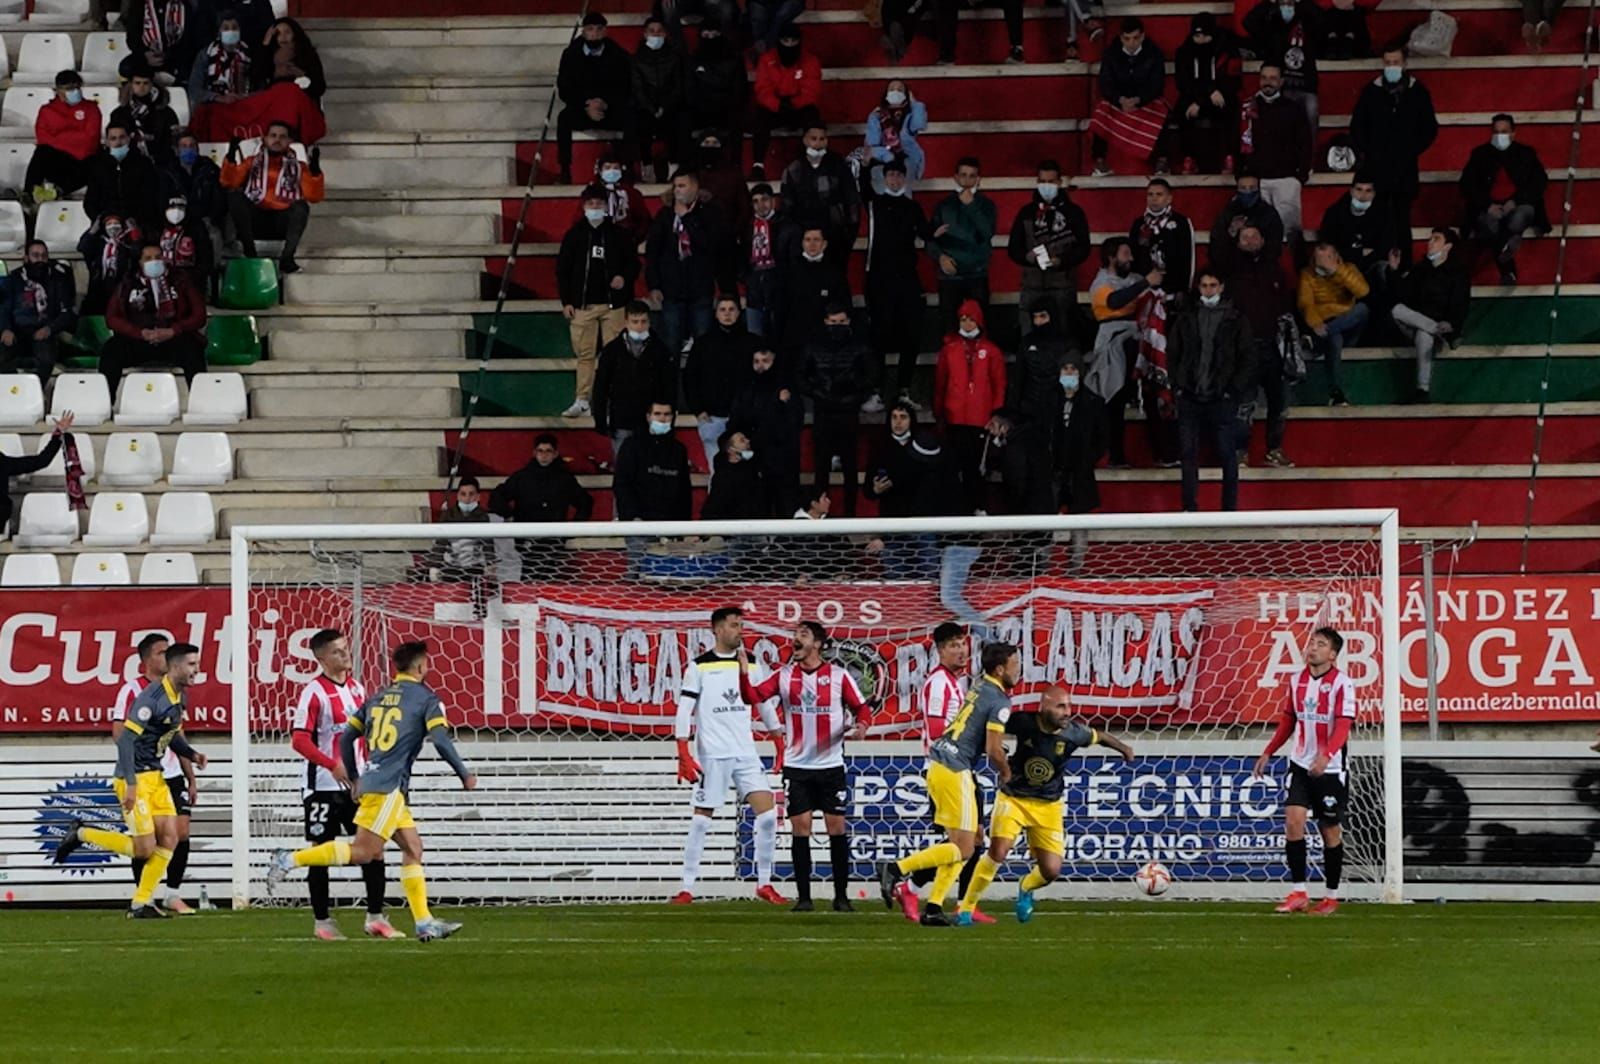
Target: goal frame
pixel 1386 520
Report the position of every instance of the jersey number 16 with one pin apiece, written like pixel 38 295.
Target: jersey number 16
pixel 384 730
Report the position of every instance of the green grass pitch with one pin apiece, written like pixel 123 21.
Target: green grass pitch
pixel 1108 982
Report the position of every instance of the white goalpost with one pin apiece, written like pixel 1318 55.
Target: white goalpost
pixel 557 650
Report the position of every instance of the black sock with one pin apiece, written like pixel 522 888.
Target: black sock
pixel 375 875
pixel 966 874
pixel 317 884
pixel 138 869
pixel 178 865
pixel 922 876
pixel 839 855
pixel 800 851
pixel 1332 865
pixel 1295 851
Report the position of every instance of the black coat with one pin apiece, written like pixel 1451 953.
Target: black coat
pixel 836 376
pixel 1061 226
pixel 1293 44
pixel 810 288
pixel 130 188
pixel 19 314
pixel 1441 292
pixel 1143 75
pixel 1223 250
pixel 200 184
pixel 1079 441
pixel 658 78
pixel 826 195
pixel 651 482
pixel 719 359
pixel 1257 286
pixel 1033 385
pixel 608 76
pixel 737 492
pixel 153 129
pixel 1364 238
pixel 1233 355
pixel 1390 129
pixel 1201 70
pixel 898 463
pixel 773 425
pixel 179 56
pixel 765 288
pixel 894 225
pixel 18 467
pixel 717 83
pixel 709 267
pixel 1282 137
pixel 1521 164
pixel 590 256
pixel 1169 245
pixel 543 494
pixel 625 385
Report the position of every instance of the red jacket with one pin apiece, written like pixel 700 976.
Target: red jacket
pixel 131 311
pixel 72 128
pixel 969 382
pixel 797 86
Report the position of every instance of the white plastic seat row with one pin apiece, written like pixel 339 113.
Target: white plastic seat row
pixel 134 460
pixel 99 570
pixel 118 519
pixel 22 103
pixel 147 399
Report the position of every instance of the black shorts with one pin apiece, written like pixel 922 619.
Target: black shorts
pixel 816 790
pixel 1325 796
pixel 329 814
pixel 179 786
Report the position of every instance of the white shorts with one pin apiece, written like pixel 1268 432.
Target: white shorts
pixel 746 774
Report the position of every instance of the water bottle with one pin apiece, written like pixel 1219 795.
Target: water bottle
pixel 205 899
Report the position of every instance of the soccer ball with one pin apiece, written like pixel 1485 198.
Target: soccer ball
pixel 1153 879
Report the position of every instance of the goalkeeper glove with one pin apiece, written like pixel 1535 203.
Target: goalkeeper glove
pixel 688 767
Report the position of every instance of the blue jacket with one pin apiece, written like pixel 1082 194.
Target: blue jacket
pixel 916 121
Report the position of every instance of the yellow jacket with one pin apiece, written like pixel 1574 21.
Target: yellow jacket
pixel 1321 298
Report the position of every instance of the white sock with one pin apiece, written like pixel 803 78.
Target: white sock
pixel 766 845
pixel 693 847
pixel 1333 894
pixel 1301 887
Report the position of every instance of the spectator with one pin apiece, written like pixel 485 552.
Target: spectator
pixel 1363 235
pixel 624 204
pixel 771 20
pixel 652 482
pixel 1131 111
pixel 271 193
pixel 1538 18
pixel 658 84
pixel 717 359
pixel 722 180
pixel 679 13
pixel 594 84
pixel 892 130
pixel 1330 299
pixel 543 491
pixel 595 272
pixel 1212 362
pixel 123 181
pixel 199 181
pixel 634 368
pixel 892 469
pixel 1343 29
pixel 1393 124
pixel 155 319
pixel 1117 295
pixel 816 503
pixel 771 414
pixel 464 560
pixel 736 492
pixel 287 55
pixel 1245 208
pixel 969 385
pixel 963 234
pixel 186 246
pixel 767 247
pixel 1080 439
pixel 110 250
pixel 255 18
pixel 819 190
pixel 788 86
pixel 165 34
pixel 1278 142
pixel 1033 406
pixel 37 304
pixel 1204 126
pixel 688 258
pixel 834 375
pixel 813 284
pixel 1163 239
pixel 22 465
pixel 67 139
pixel 900 19
pixel 1286 35
pixel 718 85
pixel 1257 287
pixel 1504 184
pixel 1049 240
pixel 221 72
pixel 1431 304
pixel 895 223
pixel 146 113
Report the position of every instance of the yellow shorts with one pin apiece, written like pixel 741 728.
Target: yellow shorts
pixel 1038 818
pixel 153 799
pixel 955 799
pixel 384 814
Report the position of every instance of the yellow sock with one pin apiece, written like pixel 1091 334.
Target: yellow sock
pixel 935 856
pixel 416 888
pixel 1034 880
pixel 982 876
pixel 155 870
pixel 323 855
pixel 115 841
pixel 944 879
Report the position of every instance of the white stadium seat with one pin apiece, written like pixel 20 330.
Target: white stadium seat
pixel 148 399
pixel 102 54
pixel 47 520
pixel 42 57
pixel 179 103
pixel 11 445
pixel 21 106
pixel 86 395
pixel 101 570
pixel 106 97
pixel 133 460
pixel 61 225
pixel 5 56
pixel 56 471
pixel 175 567
pixel 216 399
pixel 117 519
pixel 31 570
pixel 21 400
pixel 15 155
pixel 13 227
pixel 13 10
pixel 185 519
pixel 59 12
pixel 202 460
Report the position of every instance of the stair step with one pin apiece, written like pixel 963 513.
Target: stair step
pixel 310 345
pixel 379 287
pixel 399 230
pixel 444 171
pixel 354 402
pixel 423 117
pixel 233 517
pixel 343 462
pixel 352 64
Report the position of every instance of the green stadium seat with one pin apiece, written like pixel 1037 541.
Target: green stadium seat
pixel 88 337
pixel 250 284
pixel 232 340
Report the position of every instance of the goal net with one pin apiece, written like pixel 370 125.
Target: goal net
pixel 558 652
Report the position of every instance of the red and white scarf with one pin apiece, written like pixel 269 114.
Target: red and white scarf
pixel 761 244
pixel 1151 366
pixel 288 186
pixel 227 69
pixel 111 252
pixel 890 121
pixel 162 30
pixel 177 249
pixel 681 231
pixel 74 466
pixel 158 291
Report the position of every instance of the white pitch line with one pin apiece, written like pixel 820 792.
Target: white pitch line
pixel 657 1052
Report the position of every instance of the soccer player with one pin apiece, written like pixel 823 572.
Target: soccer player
pixel 712 706
pixel 951 760
pixel 326 703
pixel 1032 781
pixel 154 724
pixel 1319 711
pixel 394 721
pixel 821 706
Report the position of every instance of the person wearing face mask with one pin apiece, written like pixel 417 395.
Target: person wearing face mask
pixel 66 135
pixel 717 359
pixel 717 89
pixel 772 414
pixel 1288 34
pixel 1212 362
pixel 1078 441
pixel 969 385
pixel 1204 126
pixel 1276 142
pixel 185 246
pixel 1246 207
pixel 110 250
pixel 165 34
pixel 1049 240
pixel 1503 185
pixel 595 85
pixel 271 193
pixel 819 190
pixel 1163 239
pixel 736 492
pixel 688 259
pixel 199 181
pixel 658 83
pixel 462 561
pixel 812 284
pixel 634 368
pixel 1362 231
pixel 1131 111
pixel 145 111
pixel 123 181
pixel 768 245
pixel 892 130
pixel 1117 296
pixel 1032 407
pixel 37 304
pixel 1431 301
pixel 1258 287
pixel 892 469
pixel 595 273
pixel 895 223
pixel 156 318
pixel 770 20
pixel 625 205
pixel 963 242
pixel 221 72
pixel 652 479
pixel 788 87
pixel 1392 125
pixel 543 491
pixel 722 180
pixel 835 374
pixel 1330 299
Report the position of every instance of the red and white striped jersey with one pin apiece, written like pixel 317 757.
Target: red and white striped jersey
pixel 171 765
pixel 1317 703
pixel 818 709
pixel 324 705
pixel 942 693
